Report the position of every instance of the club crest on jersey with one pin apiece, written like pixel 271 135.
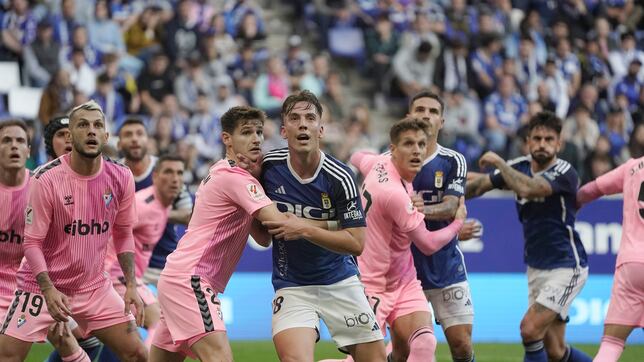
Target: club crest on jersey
pixel 22 320
pixel 326 201
pixel 29 215
pixel 255 192
pixel 438 179
pixel 107 197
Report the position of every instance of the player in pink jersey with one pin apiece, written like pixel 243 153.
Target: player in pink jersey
pixel 227 202
pixel 153 206
pixel 393 223
pixel 626 307
pixel 14 185
pixel 76 202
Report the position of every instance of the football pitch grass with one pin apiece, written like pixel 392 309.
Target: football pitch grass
pixel 263 351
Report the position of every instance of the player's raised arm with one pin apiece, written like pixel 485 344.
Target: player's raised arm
pixel 477 184
pixel 607 184
pixel 523 185
pixel 431 241
pixel 363 161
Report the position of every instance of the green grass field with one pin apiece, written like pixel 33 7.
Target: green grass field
pixel 263 351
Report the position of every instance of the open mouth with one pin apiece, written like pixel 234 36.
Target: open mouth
pixel 68 149
pixel 303 137
pixel 416 161
pixel 14 157
pixel 92 143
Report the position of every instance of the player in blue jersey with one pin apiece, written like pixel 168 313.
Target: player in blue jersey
pixel 316 277
pixel 133 141
pixel 443 276
pixel 546 189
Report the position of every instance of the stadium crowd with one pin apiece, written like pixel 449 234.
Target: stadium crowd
pixel 181 64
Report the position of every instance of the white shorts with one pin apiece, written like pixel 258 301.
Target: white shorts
pixel 343 307
pixel 452 305
pixel 555 289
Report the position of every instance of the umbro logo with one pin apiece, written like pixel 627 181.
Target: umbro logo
pixel 280 190
pixel 68 200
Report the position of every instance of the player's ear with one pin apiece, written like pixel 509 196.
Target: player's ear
pixel 282 131
pixel 321 132
pixel 226 138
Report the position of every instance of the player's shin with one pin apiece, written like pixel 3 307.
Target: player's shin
pixel 422 345
pixel 610 349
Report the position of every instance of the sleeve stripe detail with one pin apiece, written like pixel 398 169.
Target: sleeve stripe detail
pixel 343 176
pixel 517 160
pixel 562 166
pixel 460 161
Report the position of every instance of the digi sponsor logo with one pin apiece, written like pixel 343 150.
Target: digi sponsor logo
pixel 357 320
pixel 352 211
pixel 10 236
pixel 78 227
pixel 305 211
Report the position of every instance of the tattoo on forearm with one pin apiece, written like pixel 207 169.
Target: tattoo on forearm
pixel 43 281
pixel 473 187
pixel 515 180
pixel 126 260
pixel 443 211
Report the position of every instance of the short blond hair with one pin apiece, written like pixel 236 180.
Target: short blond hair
pixel 90 105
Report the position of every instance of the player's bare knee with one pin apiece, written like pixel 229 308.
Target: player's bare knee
pixel 136 353
pixel 460 346
pixel 530 331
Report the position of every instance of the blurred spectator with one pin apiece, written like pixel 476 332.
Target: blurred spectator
pixel 271 87
pixel 297 60
pixel 582 130
pixel 123 82
pixel 42 57
pixel 528 66
pixel 245 71
pixel 532 26
pixel 620 59
pixel 273 139
pixel 636 141
pixel 486 65
pixel 249 30
pixel 461 127
pixel 357 135
pixel 505 111
pixel 110 101
pixel 414 69
pixel 192 81
pixel 597 164
pixel 630 85
pixel 81 41
pixel 236 10
pixel 214 62
pixel 382 43
pixel 104 34
pixel 553 89
pixel 80 73
pixel 18 30
pixel 221 40
pixel 568 66
pixel 65 22
pixel 616 131
pixel 143 37
pixel 334 97
pixel 57 97
pixel 453 72
pixel 155 82
pixel 225 96
pixel 594 65
pixel 205 130
pixel 576 14
pixel 181 36
pixel 321 68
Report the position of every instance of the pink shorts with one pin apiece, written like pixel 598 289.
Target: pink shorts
pixel 190 310
pixel 144 292
pixel 28 318
pixel 393 304
pixel 5 302
pixel 626 305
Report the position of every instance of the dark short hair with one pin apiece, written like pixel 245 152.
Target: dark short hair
pixel 545 119
pixel 427 94
pixel 238 115
pixel 55 124
pixel 406 124
pixel 130 121
pixel 18 123
pixel 302 96
pixel 167 158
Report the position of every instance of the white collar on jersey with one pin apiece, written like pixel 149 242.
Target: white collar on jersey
pixel 310 179
pixel 433 155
